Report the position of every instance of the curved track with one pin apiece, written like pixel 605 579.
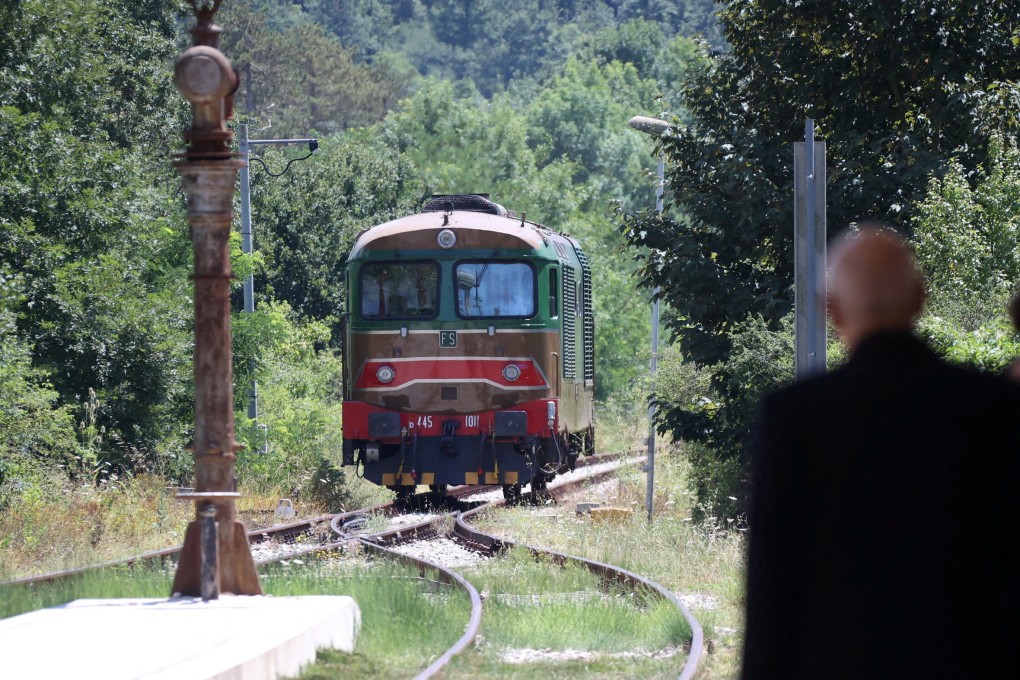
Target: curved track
pixel 343 527
pixel 608 572
pixel 492 545
pixel 284 533
pixel 448 576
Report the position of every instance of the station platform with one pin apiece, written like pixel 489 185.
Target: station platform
pixel 183 638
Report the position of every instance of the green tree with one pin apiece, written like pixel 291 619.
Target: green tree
pixel 462 143
pixel 966 232
pixel 497 45
pixel 360 24
pixel 305 222
pixel 582 116
pixel 85 207
pixel 36 432
pixel 894 90
pixel 296 76
pixel 967 229
pixel 300 403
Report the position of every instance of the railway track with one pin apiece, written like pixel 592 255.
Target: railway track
pixel 289 533
pixel 440 519
pixel 388 543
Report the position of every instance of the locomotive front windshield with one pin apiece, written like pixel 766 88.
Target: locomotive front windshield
pixel 495 289
pixel 400 290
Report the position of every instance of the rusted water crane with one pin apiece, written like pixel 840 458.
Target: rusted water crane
pixel 216 556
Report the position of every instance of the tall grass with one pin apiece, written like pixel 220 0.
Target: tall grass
pixel 702 561
pixel 80 524
pixel 537 603
pixel 407 621
pixel 75 525
pixel 621 423
pixel 113 582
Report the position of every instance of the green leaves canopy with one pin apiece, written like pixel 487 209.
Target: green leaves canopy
pixel 305 222
pixel 85 210
pixel 894 90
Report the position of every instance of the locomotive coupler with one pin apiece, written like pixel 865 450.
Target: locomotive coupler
pixel 447 444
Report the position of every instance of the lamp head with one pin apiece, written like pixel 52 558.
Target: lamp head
pixel 650 126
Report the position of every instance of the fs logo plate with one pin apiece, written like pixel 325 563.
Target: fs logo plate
pixel 447 338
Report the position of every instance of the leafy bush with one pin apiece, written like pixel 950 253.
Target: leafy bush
pixel 990 347
pixel 967 230
pixel 297 433
pixel 713 408
pixel 36 432
pixel 966 234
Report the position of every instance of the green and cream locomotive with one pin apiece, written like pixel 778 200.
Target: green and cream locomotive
pixel 468 350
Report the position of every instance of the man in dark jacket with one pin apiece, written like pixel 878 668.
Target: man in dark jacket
pixel 884 522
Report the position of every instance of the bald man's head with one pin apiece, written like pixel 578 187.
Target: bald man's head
pixel 873 285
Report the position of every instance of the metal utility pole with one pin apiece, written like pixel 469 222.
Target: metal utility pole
pixel 655 127
pixel 244 145
pixel 216 556
pixel 809 252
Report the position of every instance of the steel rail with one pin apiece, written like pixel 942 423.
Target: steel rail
pixel 286 532
pixel 473 536
pixel 427 528
pixel 373 543
pixel 450 576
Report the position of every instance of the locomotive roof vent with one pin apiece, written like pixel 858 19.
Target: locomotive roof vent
pixel 470 202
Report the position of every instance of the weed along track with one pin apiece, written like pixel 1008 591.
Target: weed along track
pixel 307 535
pixel 624 595
pixel 539 597
pixel 434 573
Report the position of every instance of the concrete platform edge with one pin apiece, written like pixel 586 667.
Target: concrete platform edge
pixel 233 638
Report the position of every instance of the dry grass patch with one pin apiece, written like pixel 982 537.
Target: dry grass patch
pixel 74 525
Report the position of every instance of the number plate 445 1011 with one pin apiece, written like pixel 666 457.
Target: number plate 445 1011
pixel 447 338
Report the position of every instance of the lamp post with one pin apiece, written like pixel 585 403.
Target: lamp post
pixel 216 556
pixel 656 128
pixel 244 147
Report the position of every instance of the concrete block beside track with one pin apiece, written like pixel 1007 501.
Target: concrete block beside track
pixel 232 638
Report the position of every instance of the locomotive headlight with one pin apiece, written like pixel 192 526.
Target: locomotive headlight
pixel 385 374
pixel 446 238
pixel 511 372
pixel 550 412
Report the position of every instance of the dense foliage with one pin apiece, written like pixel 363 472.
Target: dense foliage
pixel 967 233
pixel 898 92
pixel 493 43
pixel 92 257
pixel 527 102
pixel 296 76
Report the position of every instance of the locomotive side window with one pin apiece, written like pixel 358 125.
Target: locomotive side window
pixel 554 294
pixel 400 290
pixel 495 289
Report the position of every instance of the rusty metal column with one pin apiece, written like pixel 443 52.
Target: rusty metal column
pixel 208 170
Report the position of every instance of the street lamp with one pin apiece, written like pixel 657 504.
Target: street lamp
pixel 244 146
pixel 656 128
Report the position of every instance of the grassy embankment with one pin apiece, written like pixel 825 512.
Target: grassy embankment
pixel 80 524
pixel 702 563
pixel 573 631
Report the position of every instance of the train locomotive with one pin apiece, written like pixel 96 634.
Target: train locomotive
pixel 468 350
